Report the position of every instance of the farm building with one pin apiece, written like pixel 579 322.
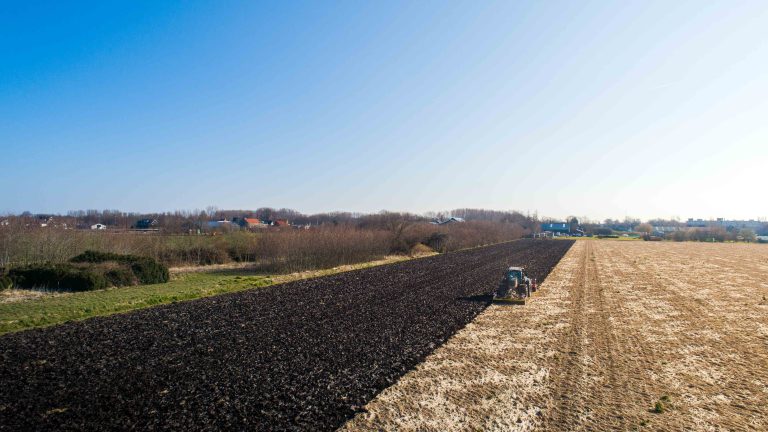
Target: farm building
pixel 44 220
pixel 275 222
pixel 145 224
pixel 246 222
pixel 222 223
pixel 728 224
pixel 556 227
pixel 573 227
pixel 451 219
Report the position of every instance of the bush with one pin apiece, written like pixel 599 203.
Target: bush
pixel 83 280
pixel 145 270
pixel 57 277
pixel 5 283
pixel 149 271
pixel 91 270
pixel 120 277
pixel 436 241
pixel 420 249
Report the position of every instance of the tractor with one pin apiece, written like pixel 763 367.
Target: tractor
pixel 515 288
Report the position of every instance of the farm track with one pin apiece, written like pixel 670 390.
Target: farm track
pixel 590 387
pixel 305 355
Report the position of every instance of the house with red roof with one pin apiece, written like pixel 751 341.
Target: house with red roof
pixel 248 222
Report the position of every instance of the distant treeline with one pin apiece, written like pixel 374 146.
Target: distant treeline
pixel 716 234
pixel 684 233
pixel 184 221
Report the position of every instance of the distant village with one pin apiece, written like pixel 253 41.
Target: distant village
pixel 153 225
pixel 150 225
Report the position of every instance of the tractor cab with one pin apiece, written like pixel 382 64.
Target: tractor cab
pixel 515 274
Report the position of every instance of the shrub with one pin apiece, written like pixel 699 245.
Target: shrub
pixel 5 283
pixel 420 249
pixel 145 270
pixel 120 277
pixel 149 271
pixel 83 280
pixel 91 270
pixel 57 277
pixel 436 241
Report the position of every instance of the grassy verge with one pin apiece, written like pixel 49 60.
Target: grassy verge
pixel 49 309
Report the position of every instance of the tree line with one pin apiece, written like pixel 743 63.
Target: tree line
pixel 334 238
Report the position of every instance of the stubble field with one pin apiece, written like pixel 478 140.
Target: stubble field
pixel 622 336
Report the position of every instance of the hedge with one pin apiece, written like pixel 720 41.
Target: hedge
pixel 145 269
pixel 57 277
pixel 84 273
pixel 91 256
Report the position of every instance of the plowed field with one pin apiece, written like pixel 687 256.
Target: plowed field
pixel 304 355
pixel 621 336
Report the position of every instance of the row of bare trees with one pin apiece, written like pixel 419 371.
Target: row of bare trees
pixel 367 238
pixel 183 221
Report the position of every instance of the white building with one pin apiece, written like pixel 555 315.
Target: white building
pixel 221 224
pixel 722 222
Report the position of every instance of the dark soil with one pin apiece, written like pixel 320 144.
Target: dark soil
pixel 299 356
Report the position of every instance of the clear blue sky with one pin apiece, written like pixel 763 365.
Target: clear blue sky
pixel 602 109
